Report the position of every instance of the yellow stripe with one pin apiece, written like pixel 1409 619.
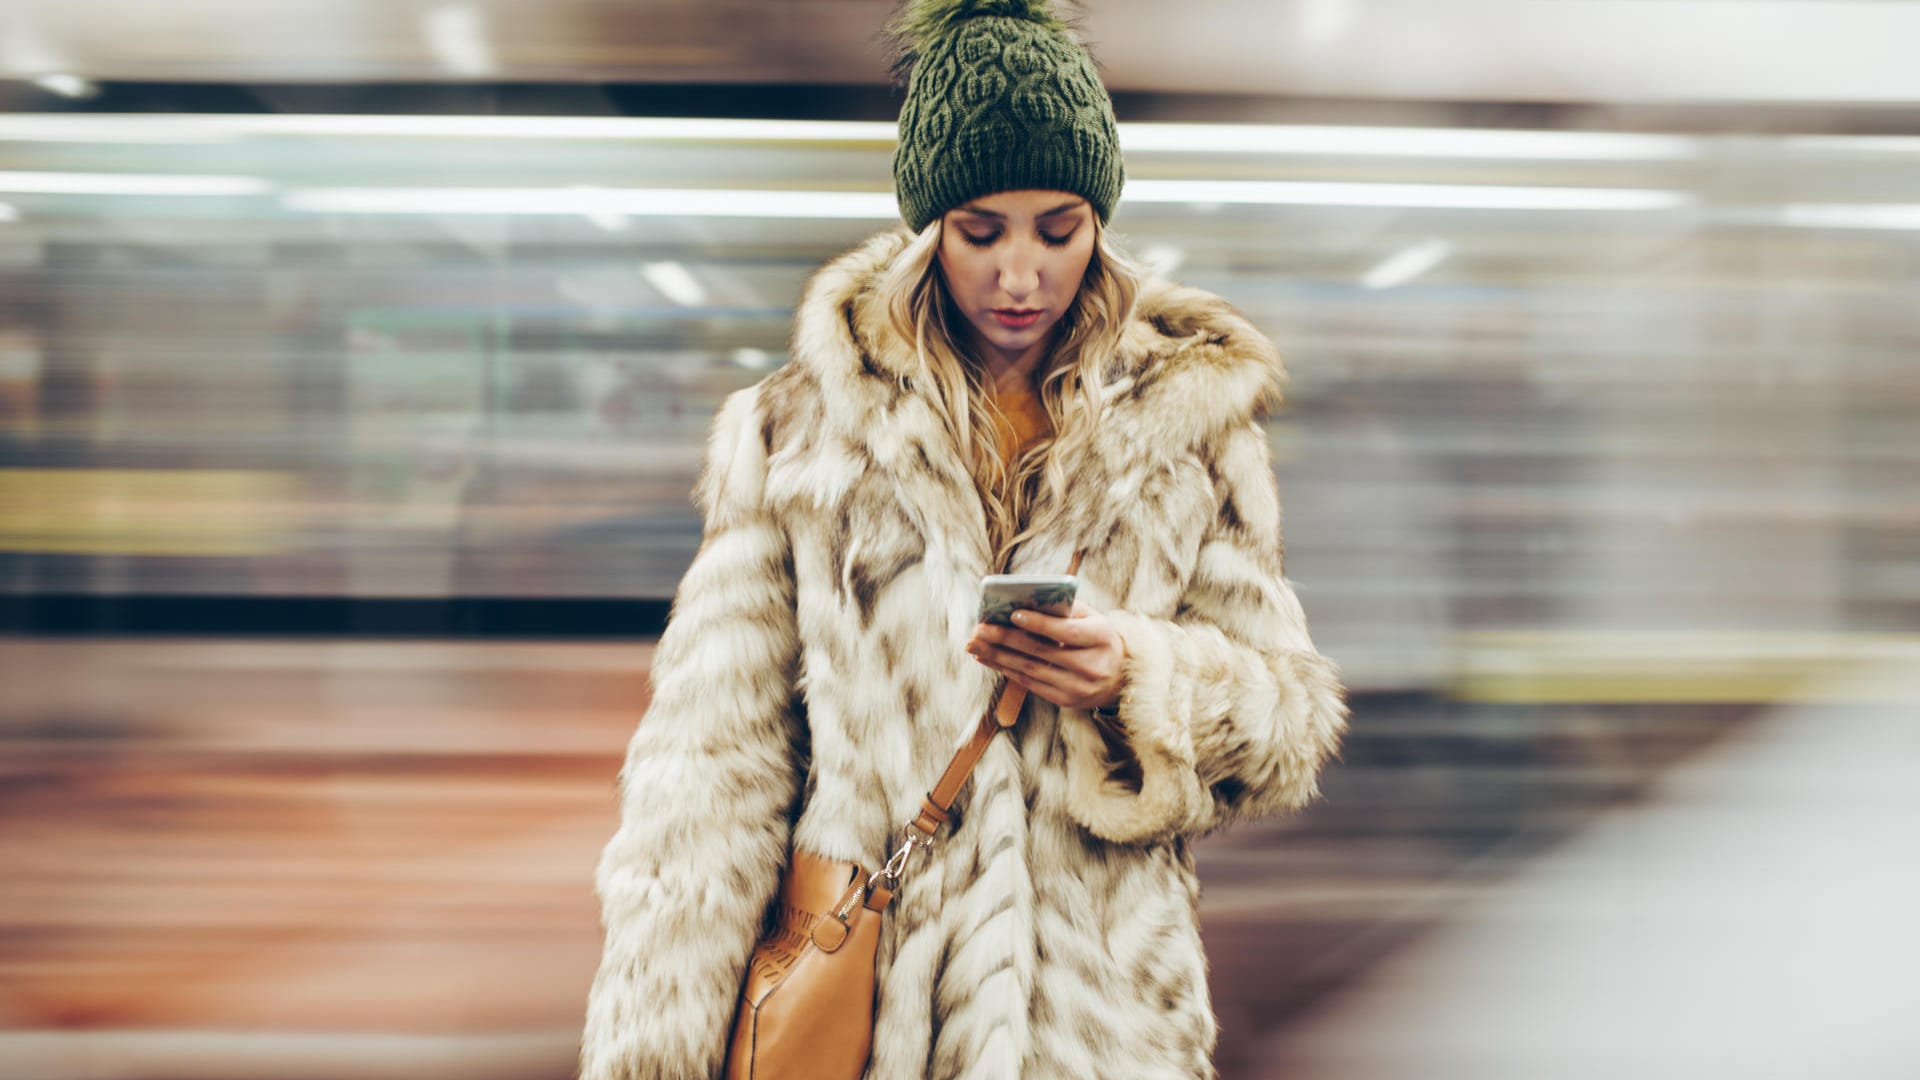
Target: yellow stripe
pixel 1707 666
pixel 228 512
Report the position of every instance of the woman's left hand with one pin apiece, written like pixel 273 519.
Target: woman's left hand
pixel 1076 662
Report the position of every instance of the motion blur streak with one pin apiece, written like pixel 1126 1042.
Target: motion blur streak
pixel 1745 919
pixel 231 858
pixel 1601 467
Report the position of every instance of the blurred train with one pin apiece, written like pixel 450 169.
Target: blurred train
pixel 1556 384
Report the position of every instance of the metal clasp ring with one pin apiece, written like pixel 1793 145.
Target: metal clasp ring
pixel 910 840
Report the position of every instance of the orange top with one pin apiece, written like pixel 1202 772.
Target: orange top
pixel 1026 420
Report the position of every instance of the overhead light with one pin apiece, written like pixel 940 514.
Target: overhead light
pixel 1397 142
pixel 876 205
pixel 675 282
pixel 638 202
pixel 1846 216
pixel 1323 22
pixel 1162 260
pixel 458 37
pixel 752 359
pixel 1411 142
pixel 1853 144
pixel 1405 265
pixel 1425 196
pixel 1405 142
pixel 72 86
pixel 611 221
pixel 106 128
pixel 612 128
pixel 63 183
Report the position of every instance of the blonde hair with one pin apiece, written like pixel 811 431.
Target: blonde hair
pixel 918 304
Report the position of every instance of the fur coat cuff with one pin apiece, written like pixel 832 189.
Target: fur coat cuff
pixel 1209 730
pixel 1138 782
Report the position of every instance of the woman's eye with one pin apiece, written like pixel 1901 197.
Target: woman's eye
pixel 980 241
pixel 1056 241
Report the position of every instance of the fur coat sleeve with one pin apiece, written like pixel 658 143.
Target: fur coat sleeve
pixel 706 790
pixel 1228 711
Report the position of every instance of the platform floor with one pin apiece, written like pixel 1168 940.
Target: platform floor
pixel 235 858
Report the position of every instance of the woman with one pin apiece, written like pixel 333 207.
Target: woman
pixel 990 390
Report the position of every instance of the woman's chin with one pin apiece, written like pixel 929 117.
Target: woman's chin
pixel 1013 342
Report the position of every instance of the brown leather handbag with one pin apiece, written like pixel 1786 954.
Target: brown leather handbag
pixel 806 1011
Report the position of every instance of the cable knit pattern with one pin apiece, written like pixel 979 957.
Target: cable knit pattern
pixel 813 682
pixel 1000 98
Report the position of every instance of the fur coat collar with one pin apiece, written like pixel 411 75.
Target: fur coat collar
pixel 1189 368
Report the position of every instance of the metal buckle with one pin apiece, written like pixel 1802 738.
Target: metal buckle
pixel 911 839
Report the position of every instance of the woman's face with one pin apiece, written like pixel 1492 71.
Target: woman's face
pixel 1013 263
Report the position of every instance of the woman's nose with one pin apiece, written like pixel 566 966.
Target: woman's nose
pixel 1018 277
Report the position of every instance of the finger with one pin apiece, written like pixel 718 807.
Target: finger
pixel 1073 631
pixel 1060 694
pixel 1005 657
pixel 983 649
pixel 999 656
pixel 1080 664
pixel 1060 684
pixel 1032 644
pixel 995 634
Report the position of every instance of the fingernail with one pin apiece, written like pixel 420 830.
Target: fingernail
pixel 1020 617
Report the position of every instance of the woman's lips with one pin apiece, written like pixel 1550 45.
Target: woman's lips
pixel 1014 319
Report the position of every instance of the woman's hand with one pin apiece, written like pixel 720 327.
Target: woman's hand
pixel 1076 662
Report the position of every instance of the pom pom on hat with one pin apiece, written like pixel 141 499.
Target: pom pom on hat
pixel 920 21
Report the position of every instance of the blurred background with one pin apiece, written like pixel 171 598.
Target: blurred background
pixel 354 363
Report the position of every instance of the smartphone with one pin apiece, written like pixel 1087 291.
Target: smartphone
pixel 1001 594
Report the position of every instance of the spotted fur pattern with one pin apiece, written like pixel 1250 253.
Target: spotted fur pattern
pixel 812 683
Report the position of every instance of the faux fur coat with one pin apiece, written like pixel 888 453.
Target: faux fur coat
pixel 812 683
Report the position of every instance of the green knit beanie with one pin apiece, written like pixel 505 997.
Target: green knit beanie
pixel 1000 97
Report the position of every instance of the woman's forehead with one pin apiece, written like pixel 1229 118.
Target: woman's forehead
pixel 1035 203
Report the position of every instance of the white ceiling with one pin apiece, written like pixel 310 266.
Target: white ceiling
pixel 1573 51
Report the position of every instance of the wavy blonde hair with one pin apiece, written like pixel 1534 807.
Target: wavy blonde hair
pixel 920 308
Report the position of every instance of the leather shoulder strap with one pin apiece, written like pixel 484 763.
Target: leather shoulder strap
pixel 1004 711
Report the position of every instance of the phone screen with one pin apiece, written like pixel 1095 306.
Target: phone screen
pixel 1002 594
